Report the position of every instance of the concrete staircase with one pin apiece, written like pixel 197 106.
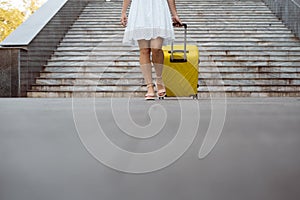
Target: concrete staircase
pixel 244 51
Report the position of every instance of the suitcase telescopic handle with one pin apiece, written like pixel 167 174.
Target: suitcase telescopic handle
pixel 184 49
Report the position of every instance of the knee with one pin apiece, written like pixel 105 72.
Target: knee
pixel 157 51
pixel 145 51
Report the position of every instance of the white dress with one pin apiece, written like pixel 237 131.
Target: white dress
pixel 148 19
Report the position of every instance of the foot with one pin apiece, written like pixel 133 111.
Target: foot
pixel 161 90
pixel 150 93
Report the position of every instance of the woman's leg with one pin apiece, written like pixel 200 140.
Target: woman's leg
pixel 145 64
pixel 158 61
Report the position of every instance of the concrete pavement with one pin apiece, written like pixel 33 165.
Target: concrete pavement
pixel 43 155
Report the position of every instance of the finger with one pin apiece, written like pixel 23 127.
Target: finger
pixel 178 20
pixel 123 21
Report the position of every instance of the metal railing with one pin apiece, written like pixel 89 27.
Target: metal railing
pixel 288 11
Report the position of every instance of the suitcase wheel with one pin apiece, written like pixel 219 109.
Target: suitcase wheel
pixel 195 96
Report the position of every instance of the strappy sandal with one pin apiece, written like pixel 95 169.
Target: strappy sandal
pixel 150 96
pixel 162 92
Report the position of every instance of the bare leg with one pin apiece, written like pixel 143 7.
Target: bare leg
pixel 145 64
pixel 158 61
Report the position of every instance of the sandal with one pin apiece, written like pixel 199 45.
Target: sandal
pixel 150 96
pixel 162 92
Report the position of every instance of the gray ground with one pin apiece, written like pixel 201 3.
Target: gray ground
pixel 256 157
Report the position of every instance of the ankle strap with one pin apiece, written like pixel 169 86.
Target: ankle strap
pixel 150 85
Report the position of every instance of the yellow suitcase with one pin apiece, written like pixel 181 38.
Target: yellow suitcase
pixel 180 73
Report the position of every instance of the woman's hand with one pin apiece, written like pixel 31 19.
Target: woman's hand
pixel 176 20
pixel 123 15
pixel 124 20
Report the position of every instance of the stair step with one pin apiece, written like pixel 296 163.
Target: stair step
pixel 229 63
pixel 202 75
pixel 276 22
pixel 118 41
pixel 211 32
pixel 238 69
pixel 245 51
pixel 139 81
pixel 203 48
pixel 125 94
pixel 95 88
pixel 89 81
pixel 192 36
pixel 267 45
pixel 191 26
pixel 82 94
pixel 249 54
pixel 203 57
pixel 192 30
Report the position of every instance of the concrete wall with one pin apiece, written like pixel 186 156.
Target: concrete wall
pixel 9 72
pixel 288 11
pixel 21 61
